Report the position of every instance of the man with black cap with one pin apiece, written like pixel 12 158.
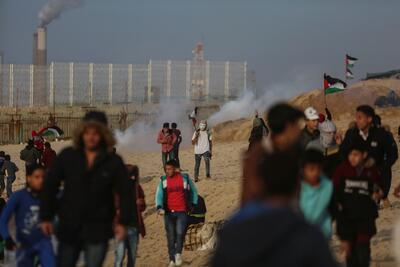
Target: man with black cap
pixel 92 178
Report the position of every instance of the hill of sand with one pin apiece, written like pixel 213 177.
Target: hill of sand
pixel 341 105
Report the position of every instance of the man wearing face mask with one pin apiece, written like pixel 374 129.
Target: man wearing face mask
pixel 202 141
pixel 328 144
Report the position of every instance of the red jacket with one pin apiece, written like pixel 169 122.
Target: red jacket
pixel 167 141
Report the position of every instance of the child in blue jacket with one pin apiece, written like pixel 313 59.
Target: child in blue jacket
pixel 24 206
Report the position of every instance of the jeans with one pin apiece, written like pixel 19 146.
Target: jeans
pixel 130 244
pixel 166 156
pixel 68 254
pixel 10 181
pixel 197 158
pixel 26 255
pixel 175 226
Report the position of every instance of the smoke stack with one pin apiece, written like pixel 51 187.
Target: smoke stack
pixel 39 60
pixel 40 47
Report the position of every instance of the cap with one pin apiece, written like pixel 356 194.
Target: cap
pixel 311 114
pixel 96 116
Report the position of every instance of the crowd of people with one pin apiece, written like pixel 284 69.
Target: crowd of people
pixel 298 181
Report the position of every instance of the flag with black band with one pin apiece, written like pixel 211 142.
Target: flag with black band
pixel 333 85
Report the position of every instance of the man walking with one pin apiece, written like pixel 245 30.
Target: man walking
pixel 178 142
pixel 92 177
pixel 167 140
pixel 202 141
pixel 176 195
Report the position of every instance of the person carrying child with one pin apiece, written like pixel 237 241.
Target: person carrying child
pixel 356 190
pixel 316 194
pixel 24 206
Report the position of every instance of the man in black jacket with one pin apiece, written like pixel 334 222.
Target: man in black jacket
pixel 92 177
pixel 268 232
pixel 381 149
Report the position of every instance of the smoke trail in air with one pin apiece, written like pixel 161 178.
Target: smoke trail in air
pixel 53 9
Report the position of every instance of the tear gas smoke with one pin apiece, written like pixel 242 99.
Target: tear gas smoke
pixel 53 9
pixel 246 105
pixel 142 136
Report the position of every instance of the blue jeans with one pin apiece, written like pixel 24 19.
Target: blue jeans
pixel 68 254
pixel 167 156
pixel 175 226
pixel 26 255
pixel 130 244
pixel 197 158
pixel 10 181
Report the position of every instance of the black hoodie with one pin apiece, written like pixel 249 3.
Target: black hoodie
pixel 273 238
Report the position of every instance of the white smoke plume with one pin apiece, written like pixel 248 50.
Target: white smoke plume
pixel 142 136
pixel 53 9
pixel 246 105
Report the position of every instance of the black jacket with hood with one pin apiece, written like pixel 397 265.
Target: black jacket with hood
pixel 87 202
pixel 275 238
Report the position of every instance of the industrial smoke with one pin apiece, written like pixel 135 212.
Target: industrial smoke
pixel 53 9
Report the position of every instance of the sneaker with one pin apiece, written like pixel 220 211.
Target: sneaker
pixel 171 264
pixel 178 259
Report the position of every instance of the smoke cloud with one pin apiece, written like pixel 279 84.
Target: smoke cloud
pixel 246 105
pixel 142 135
pixel 53 9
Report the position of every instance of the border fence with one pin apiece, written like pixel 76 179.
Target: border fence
pixel 89 84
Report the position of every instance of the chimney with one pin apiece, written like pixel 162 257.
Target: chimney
pixel 41 46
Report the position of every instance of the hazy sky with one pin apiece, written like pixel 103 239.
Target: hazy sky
pixel 279 39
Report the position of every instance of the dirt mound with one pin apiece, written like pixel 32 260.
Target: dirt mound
pixel 342 106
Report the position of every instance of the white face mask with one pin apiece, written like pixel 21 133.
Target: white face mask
pixel 202 126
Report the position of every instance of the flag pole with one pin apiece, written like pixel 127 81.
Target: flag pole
pixel 323 86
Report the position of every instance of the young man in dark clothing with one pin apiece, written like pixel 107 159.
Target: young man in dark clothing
pixel 178 134
pixel 356 190
pixel 48 156
pixel 86 208
pixel 268 232
pixel 176 195
pixel 30 154
pixel 310 131
pixel 283 121
pixel 381 149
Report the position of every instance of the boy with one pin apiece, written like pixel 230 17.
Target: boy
pixel 131 240
pixel 316 192
pixel 167 140
pixel 356 192
pixel 9 168
pixel 24 206
pixel 202 141
pixel 176 195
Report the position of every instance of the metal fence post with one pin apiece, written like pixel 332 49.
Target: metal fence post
pixel 149 73
pixel 31 74
pixel 51 83
pixel 245 76
pixel 11 86
pixel 226 84
pixel 90 84
pixel 71 84
pixel 130 78
pixel 188 93
pixel 207 78
pixel 169 78
pixel 110 83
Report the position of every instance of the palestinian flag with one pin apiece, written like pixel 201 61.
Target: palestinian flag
pixel 350 61
pixel 333 85
pixel 349 74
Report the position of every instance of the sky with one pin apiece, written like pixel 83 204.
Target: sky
pixel 281 40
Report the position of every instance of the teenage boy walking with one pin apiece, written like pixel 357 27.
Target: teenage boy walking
pixel 24 206
pixel 176 195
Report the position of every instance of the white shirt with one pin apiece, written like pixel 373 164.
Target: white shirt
pixel 363 135
pixel 203 142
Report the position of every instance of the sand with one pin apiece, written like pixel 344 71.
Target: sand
pixel 222 197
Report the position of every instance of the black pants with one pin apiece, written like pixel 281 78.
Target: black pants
pixel 176 155
pixel 386 182
pixel 360 255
